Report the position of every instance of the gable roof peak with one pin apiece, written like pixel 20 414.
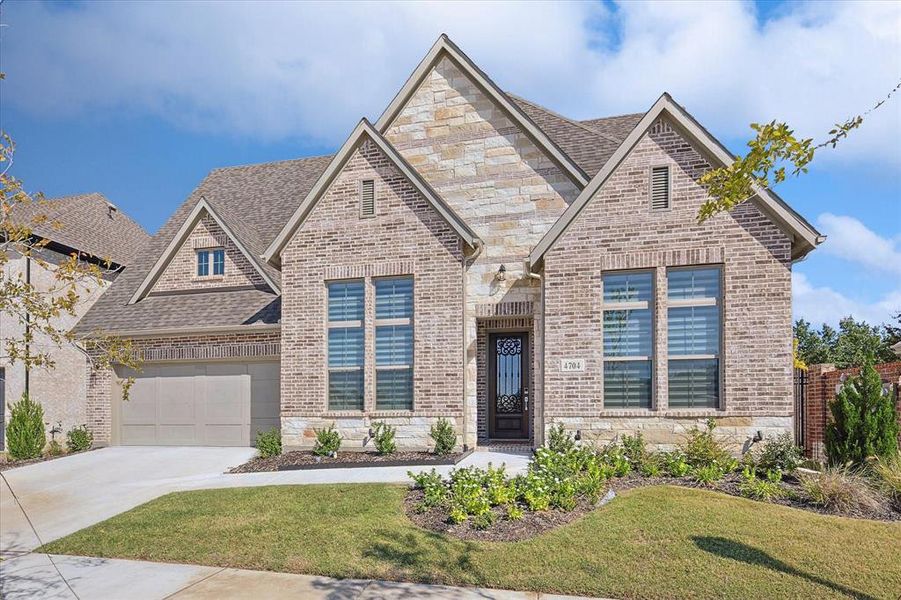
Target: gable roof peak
pixel 444 46
pixel 364 130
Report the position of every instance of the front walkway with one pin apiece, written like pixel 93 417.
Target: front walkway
pixel 84 578
pixel 65 495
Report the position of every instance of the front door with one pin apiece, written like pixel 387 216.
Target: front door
pixel 508 386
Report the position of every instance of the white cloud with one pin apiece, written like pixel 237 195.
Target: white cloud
pixel 848 238
pixel 283 70
pixel 825 305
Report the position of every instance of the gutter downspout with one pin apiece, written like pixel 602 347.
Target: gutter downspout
pixel 468 262
pixel 538 436
pixel 27 330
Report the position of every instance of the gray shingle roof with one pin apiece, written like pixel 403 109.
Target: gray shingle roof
pixel 85 223
pixel 256 201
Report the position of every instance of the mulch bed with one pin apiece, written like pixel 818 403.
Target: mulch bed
pixel 8 463
pixel 302 460
pixel 503 530
pixel 729 485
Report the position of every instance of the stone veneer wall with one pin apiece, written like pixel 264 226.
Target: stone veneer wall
pixel 406 237
pixel 101 384
pixel 498 180
pixel 617 230
pixel 181 272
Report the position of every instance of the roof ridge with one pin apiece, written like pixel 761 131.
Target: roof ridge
pixel 632 114
pixel 272 162
pixel 563 117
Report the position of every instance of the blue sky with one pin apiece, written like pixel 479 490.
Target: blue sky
pixel 140 100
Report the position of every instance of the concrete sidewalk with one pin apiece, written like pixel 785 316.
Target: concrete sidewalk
pixel 55 577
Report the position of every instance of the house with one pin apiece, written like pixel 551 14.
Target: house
pixel 471 255
pixel 93 227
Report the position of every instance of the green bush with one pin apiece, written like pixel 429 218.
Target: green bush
pixel 434 489
pixel 558 440
pixel 269 443
pixel 840 489
pixel 864 421
pixel 702 451
pixel 675 464
pixel 328 441
pixel 79 439
pixel 444 435
pixel 635 451
pixel 756 488
pixel 383 436
pixel 613 455
pixel 708 474
pixel 779 454
pixel 514 513
pixel 25 437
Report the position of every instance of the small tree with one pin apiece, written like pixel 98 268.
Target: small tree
pixel 25 436
pixel 864 420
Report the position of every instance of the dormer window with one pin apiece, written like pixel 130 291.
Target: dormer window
pixel 214 255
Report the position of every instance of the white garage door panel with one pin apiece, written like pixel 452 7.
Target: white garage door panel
pixel 213 404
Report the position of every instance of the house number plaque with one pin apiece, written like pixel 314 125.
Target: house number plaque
pixel 572 365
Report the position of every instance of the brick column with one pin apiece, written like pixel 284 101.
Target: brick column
pixel 816 411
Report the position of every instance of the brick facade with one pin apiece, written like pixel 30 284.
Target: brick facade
pixel 102 387
pixel 823 383
pixel 407 236
pixel 181 272
pixel 617 230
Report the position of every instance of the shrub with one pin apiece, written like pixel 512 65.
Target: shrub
pixel 864 421
pixel 635 451
pixel 533 491
pixel 54 448
pixel 779 453
pixel 432 485
pixel 328 441
pixel 514 513
pixel 79 439
pixel 768 488
pixel 558 440
pixel 467 491
pixel 445 437
pixel 613 455
pixel 839 489
pixel 25 437
pixel 483 520
pixel 702 451
pixel 499 489
pixel 269 443
pixel 887 473
pixel 383 436
pixel 708 474
pixel 675 464
pixel 652 466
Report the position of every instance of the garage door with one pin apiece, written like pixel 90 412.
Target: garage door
pixel 199 404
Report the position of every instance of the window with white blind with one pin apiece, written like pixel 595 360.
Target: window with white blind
pixel 394 343
pixel 345 345
pixel 694 311
pixel 628 304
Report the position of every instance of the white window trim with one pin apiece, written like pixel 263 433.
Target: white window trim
pixel 693 302
pixel 648 305
pixel 211 261
pixel 352 324
pixel 390 323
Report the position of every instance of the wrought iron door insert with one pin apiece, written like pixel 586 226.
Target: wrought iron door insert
pixel 508 386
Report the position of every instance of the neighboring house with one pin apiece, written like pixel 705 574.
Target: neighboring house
pixel 471 255
pixel 93 227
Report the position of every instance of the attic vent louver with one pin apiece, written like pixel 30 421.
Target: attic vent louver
pixel 367 198
pixel 660 188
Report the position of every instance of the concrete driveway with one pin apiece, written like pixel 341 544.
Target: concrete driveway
pixel 64 495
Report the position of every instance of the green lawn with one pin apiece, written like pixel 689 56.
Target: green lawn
pixel 658 542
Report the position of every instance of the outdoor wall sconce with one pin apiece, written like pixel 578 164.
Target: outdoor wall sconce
pixel 501 273
pixel 578 437
pixel 758 436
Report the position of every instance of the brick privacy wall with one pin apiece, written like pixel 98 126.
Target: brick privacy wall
pixel 617 230
pixel 495 177
pixel 181 272
pixel 406 237
pixel 101 384
pixel 822 384
pixel 60 390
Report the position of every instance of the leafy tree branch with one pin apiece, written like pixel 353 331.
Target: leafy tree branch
pixel 774 154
